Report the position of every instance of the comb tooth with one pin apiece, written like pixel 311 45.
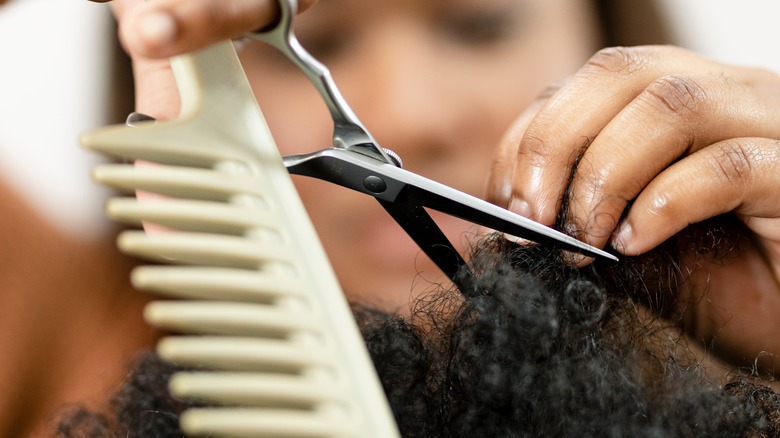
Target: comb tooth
pixel 201 216
pixel 246 354
pixel 256 389
pixel 187 183
pixel 247 422
pixel 271 308
pixel 211 283
pixel 204 249
pixel 229 319
pixel 171 143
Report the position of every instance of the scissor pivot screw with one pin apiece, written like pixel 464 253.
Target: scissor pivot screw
pixel 374 184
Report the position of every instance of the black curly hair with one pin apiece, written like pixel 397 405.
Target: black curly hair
pixel 532 346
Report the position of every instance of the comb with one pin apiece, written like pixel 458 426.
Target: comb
pixel 250 293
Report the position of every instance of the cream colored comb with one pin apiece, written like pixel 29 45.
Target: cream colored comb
pixel 258 301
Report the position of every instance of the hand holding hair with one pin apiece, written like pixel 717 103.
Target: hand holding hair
pixel 644 141
pixel 664 138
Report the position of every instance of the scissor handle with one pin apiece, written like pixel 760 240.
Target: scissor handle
pixel 348 131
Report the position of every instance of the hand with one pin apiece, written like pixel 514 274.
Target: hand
pixel 165 28
pixel 155 30
pixel 681 137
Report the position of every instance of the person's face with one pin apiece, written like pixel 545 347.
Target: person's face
pixel 438 82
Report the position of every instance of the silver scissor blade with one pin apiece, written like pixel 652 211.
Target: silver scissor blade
pixel 483 213
pixel 352 170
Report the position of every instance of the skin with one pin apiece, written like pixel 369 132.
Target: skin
pixel 685 139
pixel 677 137
pixel 404 76
pixel 69 321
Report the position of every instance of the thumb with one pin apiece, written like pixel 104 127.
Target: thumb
pixel 164 28
pixel 156 93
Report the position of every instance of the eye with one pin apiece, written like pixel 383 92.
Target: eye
pixel 325 45
pixel 482 27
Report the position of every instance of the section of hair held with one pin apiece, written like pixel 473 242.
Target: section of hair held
pixel 539 348
pixel 533 347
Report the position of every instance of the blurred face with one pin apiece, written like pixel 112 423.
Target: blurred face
pixel 438 82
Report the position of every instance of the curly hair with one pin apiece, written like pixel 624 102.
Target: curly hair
pixel 531 346
pixel 538 348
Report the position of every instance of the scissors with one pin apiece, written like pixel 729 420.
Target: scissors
pixel 356 161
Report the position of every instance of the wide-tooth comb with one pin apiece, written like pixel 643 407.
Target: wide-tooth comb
pixel 278 351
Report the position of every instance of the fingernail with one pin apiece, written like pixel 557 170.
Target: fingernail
pixel 520 207
pixel 505 189
pixel 622 237
pixel 157 29
pixel 516 240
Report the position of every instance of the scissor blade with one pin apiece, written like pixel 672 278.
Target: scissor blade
pixel 419 225
pixel 385 182
pixel 483 213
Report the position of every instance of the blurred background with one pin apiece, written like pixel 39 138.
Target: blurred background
pixel 56 81
pixel 743 32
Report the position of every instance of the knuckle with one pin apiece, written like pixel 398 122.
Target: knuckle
pixel 501 169
pixel 733 161
pixel 550 90
pixel 675 94
pixel 216 12
pixel 617 60
pixel 534 149
pixel 595 185
pixel 544 146
pixel 224 16
pixel 592 181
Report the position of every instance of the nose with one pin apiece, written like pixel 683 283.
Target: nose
pixel 400 93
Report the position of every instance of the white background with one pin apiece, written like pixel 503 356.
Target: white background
pixel 737 31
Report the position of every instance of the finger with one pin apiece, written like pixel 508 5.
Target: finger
pixel 674 116
pixel 498 188
pixel 740 175
pixel 164 28
pixel 561 131
pixel 156 93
